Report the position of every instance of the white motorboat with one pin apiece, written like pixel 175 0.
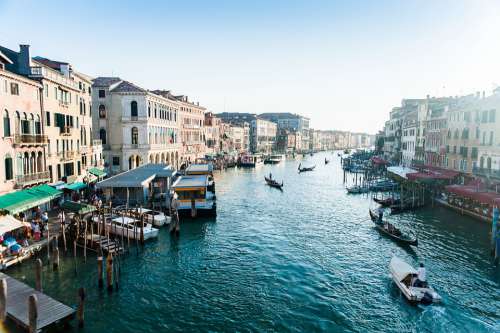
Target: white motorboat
pixel 405 276
pixel 157 218
pixel 128 227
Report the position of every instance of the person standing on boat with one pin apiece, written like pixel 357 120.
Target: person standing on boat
pixel 270 176
pixel 380 214
pixel 421 277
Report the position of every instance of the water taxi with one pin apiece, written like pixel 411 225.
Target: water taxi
pixel 404 276
pixel 273 159
pixel 250 161
pixel 154 217
pixel 197 190
pixel 128 227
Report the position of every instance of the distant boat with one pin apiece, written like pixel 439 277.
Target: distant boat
pixel 273 183
pixel 306 169
pixel 326 161
pixel 356 189
pixel 387 202
pixel 390 230
pixel 273 159
pixel 404 276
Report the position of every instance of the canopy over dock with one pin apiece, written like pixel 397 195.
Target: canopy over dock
pixel 138 177
pixel 20 201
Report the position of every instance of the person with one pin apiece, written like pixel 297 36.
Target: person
pixel 36 231
pixel 270 175
pixel 380 213
pixel 45 217
pixel 421 277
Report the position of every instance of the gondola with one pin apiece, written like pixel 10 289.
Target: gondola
pixel 273 183
pixel 387 202
pixel 395 233
pixel 306 169
pixel 326 161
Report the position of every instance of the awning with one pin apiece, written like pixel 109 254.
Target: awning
pixel 475 193
pixel 19 201
pixel 78 208
pixel 97 172
pixel 76 186
pixel 9 223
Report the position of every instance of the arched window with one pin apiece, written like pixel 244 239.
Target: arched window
pixel 17 123
pixel 102 111
pixel 38 125
pixel 8 168
pixel 133 109
pixel 6 123
pixel 149 109
pixel 135 135
pixel 102 135
pixel 25 124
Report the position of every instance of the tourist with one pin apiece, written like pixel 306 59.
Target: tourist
pixel 36 231
pixel 421 277
pixel 380 213
pixel 45 217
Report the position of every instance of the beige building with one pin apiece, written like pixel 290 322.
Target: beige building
pixel 136 126
pixel 192 122
pixel 262 136
pixel 212 133
pixel 22 143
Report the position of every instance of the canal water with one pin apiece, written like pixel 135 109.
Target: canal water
pixel 303 260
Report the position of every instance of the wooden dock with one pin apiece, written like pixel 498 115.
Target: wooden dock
pixel 50 311
pixel 96 242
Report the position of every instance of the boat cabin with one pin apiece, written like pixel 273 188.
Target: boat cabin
pixel 195 192
pixel 199 169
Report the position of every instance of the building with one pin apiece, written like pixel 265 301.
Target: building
pixel 22 142
pixel 238 137
pixel 291 122
pixel 192 117
pixel 262 136
pixel 136 126
pixel 409 138
pixel 65 102
pixel 435 136
pixel 212 133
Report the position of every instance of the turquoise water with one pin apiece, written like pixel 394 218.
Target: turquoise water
pixel 303 260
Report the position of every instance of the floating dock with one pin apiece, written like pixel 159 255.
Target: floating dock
pixel 50 311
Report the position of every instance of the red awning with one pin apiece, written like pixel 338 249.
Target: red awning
pixel 378 160
pixel 475 193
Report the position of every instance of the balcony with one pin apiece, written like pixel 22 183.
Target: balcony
pixel 66 130
pixel 97 142
pixel 64 104
pixel 66 155
pixel 484 172
pixel 25 180
pixel 30 139
pixel 37 71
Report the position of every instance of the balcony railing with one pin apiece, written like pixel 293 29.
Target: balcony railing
pixel 96 142
pixel 66 130
pixel 485 172
pixel 37 71
pixel 64 103
pixel 66 155
pixel 30 139
pixel 39 177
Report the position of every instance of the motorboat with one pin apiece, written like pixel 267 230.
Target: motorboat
pixel 129 227
pixel 356 189
pixel 405 276
pixel 154 217
pixel 273 159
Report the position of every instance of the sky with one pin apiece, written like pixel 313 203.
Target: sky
pixel 344 64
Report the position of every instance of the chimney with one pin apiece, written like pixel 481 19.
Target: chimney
pixel 24 60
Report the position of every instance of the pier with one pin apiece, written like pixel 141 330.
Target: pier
pixel 48 310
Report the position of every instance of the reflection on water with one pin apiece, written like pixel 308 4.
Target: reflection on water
pixel 303 260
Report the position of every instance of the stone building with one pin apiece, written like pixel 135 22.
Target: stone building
pixel 262 136
pixel 212 133
pixel 136 126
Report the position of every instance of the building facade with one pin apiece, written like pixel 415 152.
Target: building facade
pixel 262 136
pixel 291 122
pixel 135 125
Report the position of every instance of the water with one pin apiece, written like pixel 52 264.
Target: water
pixel 303 260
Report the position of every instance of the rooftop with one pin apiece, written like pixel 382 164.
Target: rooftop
pixel 191 181
pixel 138 177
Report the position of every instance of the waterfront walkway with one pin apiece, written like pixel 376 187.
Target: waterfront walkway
pixel 50 311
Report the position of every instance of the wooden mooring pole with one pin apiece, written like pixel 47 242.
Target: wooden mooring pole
pixel 33 313
pixel 3 300
pixel 55 258
pixel 100 282
pixel 38 275
pixel 81 306
pixel 109 272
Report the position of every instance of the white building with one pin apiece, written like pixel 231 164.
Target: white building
pixel 262 136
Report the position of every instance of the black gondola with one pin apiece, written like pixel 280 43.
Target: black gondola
pixel 326 161
pixel 387 202
pixel 392 231
pixel 306 169
pixel 273 183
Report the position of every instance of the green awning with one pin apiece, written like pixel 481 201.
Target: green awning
pixel 78 208
pixel 19 201
pixel 76 186
pixel 97 172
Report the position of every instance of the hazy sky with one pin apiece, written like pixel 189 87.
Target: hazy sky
pixel 343 64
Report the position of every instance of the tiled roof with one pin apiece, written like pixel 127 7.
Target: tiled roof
pixel 103 81
pixel 50 63
pixel 126 86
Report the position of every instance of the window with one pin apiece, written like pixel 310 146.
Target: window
pixel 492 116
pixel 47 118
pixel 491 138
pixel 135 135
pixel 478 133
pixel 8 168
pixel 102 135
pixel 473 152
pixel 102 111
pixel 46 88
pixel 133 109
pixel 116 160
pixel 6 123
pixel 14 88
pixel 102 93
pixel 484 117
